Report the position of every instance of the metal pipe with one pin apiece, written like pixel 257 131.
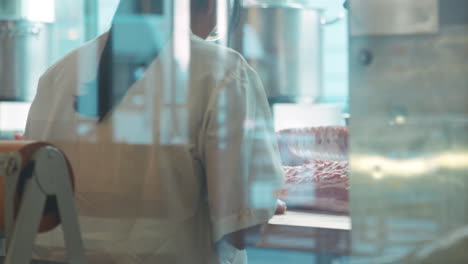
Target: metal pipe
pixel 91 19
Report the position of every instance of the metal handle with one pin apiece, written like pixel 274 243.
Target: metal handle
pixel 366 57
pixel 346 4
pixel 327 22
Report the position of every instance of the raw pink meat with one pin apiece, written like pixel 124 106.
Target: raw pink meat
pixel 301 145
pixel 319 185
pixel 316 167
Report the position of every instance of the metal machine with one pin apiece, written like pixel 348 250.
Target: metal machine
pixel 409 144
pixel 25 41
pixel 283 42
pixel 49 176
pixel 25 53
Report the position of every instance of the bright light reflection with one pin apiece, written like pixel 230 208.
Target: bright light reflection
pixel 380 167
pixel 39 10
pixel 222 18
pixel 175 90
pixel 400 120
pixel 73 34
pixel 182 34
pixel 220 32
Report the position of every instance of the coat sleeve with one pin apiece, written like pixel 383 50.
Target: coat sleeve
pixel 241 158
pixel 37 121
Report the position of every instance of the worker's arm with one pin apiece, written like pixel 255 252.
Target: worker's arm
pixel 250 236
pixel 241 159
pixel 245 237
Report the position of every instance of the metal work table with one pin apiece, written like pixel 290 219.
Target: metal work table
pixel 309 231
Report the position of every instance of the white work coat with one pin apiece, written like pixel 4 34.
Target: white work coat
pixel 162 180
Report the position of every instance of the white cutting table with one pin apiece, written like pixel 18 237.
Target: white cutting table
pixel 308 231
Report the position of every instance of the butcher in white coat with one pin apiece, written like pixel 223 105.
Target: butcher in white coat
pixel 165 171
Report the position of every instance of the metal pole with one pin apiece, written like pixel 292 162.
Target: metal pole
pixel 91 11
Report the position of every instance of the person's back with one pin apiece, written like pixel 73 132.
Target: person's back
pixel 169 171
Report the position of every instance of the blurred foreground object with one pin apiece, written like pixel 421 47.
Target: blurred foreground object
pixel 409 147
pixel 37 195
pixel 450 248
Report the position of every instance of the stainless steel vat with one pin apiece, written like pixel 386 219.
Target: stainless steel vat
pixel 283 43
pixel 24 56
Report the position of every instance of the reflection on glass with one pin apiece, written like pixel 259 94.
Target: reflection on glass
pixel 172 140
pixel 414 175
pixel 174 122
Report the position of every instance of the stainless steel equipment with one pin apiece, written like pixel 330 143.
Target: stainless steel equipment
pixel 283 43
pixel 24 56
pixel 409 140
pixel 25 43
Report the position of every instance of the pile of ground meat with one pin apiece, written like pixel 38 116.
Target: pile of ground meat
pixel 316 168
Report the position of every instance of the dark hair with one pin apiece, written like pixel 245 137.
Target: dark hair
pixel 111 84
